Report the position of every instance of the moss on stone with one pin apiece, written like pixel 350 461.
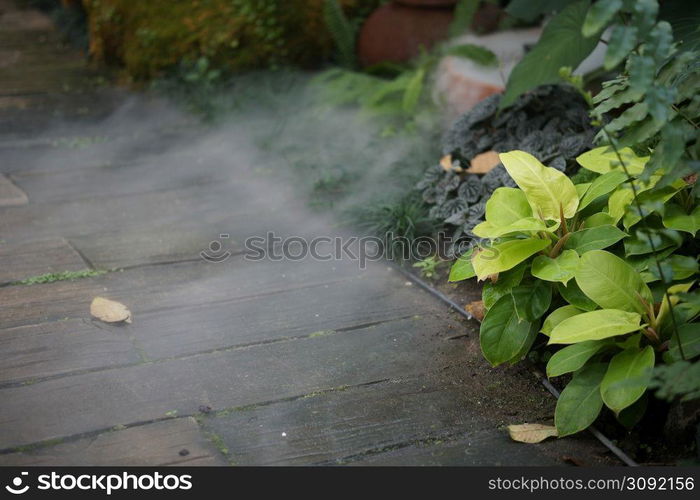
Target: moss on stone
pixel 147 38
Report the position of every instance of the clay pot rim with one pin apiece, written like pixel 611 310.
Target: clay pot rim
pixel 426 4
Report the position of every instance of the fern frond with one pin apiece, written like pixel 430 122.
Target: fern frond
pixel 342 31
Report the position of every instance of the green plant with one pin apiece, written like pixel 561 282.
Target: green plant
pixel 655 98
pixel 650 107
pixel 61 276
pixel 558 263
pixel 342 31
pixel 402 222
pixel 399 95
pixel 428 266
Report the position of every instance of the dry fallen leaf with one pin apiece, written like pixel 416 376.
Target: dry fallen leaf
pixel 109 311
pixel 531 433
pixel 476 309
pixel 447 164
pixel 483 162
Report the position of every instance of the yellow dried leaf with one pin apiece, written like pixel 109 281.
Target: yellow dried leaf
pixel 109 311
pixel 446 163
pixel 483 162
pixel 531 433
pixel 476 309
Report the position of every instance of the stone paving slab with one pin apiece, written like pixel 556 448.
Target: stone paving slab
pixel 10 194
pixel 175 442
pixel 38 258
pixel 353 365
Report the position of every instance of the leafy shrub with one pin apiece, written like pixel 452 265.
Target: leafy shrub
pixel 147 38
pixel 559 264
pixel 654 99
pixel 550 123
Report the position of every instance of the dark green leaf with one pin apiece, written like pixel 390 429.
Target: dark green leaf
pixel 627 377
pixel 574 296
pixel 630 416
pixel 690 340
pixel 561 44
pixel 678 267
pixel 599 15
pixel 580 403
pixel 642 240
pixel 594 238
pixel 463 15
pixel 506 282
pixel 502 334
pixel 532 300
pixel 622 41
pixel 530 10
pixel 479 55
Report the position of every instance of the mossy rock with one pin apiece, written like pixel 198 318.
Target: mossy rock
pixel 146 38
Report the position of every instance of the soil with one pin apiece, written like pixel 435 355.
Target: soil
pixel 669 434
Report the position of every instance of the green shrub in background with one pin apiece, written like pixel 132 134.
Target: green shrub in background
pixel 147 38
pixel 559 264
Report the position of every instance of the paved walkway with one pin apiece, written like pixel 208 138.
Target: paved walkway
pixel 239 362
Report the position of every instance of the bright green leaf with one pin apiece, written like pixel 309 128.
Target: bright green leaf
pixel 581 189
pixel 602 186
pixel 612 283
pixel 504 256
pixel 560 269
pixel 507 205
pixel 595 325
pixel 488 230
pixel 599 219
pixel 604 159
pixel 572 357
pixel 547 189
pixel 462 268
pixel 557 316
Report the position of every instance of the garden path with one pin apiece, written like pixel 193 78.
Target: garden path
pixel 237 362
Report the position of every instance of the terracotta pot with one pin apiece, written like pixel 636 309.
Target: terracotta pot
pixel 396 32
pixel 427 3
